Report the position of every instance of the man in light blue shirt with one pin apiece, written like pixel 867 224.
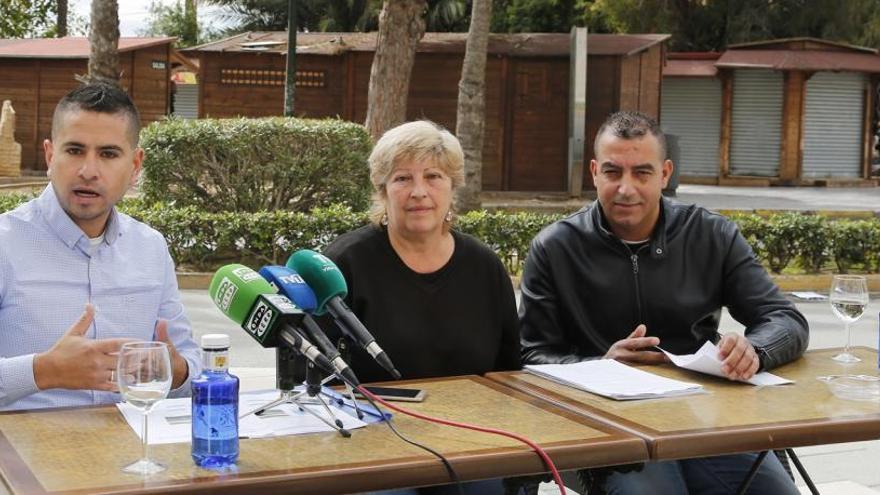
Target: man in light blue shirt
pixel 70 248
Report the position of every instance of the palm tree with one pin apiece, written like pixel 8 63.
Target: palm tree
pixel 401 26
pixel 472 105
pixel 104 41
pixel 447 15
pixel 61 24
pixel 348 15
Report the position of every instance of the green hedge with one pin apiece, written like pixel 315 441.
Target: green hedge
pixel 202 240
pixel 256 164
pixel 810 242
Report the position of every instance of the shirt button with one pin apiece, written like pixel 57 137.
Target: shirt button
pixel 659 251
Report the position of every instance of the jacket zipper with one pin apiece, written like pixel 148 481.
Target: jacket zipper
pixel 634 258
pixel 635 264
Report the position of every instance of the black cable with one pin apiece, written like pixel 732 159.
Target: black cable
pixel 449 469
pixel 387 420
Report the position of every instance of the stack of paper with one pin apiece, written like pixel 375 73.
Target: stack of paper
pixel 169 421
pixel 706 361
pixel 613 379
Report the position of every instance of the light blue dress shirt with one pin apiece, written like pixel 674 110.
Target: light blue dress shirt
pixel 49 271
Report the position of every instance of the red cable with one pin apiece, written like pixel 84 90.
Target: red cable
pixel 543 455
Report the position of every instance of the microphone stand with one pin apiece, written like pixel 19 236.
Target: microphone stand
pixel 345 352
pixel 288 376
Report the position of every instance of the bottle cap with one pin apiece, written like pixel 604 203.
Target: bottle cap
pixel 215 341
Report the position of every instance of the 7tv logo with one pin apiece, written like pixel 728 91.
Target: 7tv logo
pixel 292 279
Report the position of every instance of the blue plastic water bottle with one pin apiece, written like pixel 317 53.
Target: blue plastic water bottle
pixel 215 406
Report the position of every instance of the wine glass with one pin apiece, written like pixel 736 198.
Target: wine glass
pixel 849 298
pixel 143 372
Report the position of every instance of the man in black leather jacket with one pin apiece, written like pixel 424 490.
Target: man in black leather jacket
pixel 635 270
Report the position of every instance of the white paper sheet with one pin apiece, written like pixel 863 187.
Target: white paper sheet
pixel 706 361
pixel 169 421
pixel 809 295
pixel 613 379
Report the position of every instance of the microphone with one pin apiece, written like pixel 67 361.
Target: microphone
pixel 247 299
pixel 292 286
pixel 324 277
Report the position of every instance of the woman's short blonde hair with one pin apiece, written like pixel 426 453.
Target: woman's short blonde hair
pixel 413 141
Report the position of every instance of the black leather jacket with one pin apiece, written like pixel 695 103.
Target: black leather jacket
pixel 584 289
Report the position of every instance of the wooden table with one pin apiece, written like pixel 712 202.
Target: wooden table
pixel 81 450
pixel 732 417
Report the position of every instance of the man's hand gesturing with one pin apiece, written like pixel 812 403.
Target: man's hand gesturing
pixel 77 362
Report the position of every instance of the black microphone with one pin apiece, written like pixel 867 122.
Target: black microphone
pixel 292 286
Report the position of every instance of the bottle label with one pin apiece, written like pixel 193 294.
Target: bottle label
pixel 218 361
pixel 215 422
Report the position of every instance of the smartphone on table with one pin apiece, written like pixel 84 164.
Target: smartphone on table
pixel 395 393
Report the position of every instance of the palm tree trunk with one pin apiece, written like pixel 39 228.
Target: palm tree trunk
pixel 61 22
pixel 469 125
pixel 401 26
pixel 104 39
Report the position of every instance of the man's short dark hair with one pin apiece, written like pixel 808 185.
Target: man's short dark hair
pixel 631 125
pixel 101 97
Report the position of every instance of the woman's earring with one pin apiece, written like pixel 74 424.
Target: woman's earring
pixel 384 220
pixel 448 217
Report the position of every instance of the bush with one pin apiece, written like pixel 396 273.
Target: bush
pixel 202 240
pixel 777 244
pixel 256 164
pixel 508 234
pixel 751 227
pixel 12 200
pixel 814 242
pixel 856 243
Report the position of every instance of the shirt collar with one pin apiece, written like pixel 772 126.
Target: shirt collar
pixel 657 241
pixel 61 223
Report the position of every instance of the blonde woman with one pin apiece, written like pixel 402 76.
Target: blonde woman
pixel 438 301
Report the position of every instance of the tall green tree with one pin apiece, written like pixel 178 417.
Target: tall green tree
pixel 179 19
pixel 343 16
pixel 448 15
pixel 534 16
pixel 339 16
pixel 698 25
pixel 271 15
pixel 27 18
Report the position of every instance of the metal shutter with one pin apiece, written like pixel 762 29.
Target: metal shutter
pixel 756 123
pixel 833 115
pixel 691 112
pixel 186 101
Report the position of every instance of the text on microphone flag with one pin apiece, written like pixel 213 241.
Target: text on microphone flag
pixel 246 274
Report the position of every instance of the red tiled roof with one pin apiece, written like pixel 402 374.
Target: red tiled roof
pixel 689 68
pixel 67 47
pixel 546 44
pixel 800 41
pixel 809 60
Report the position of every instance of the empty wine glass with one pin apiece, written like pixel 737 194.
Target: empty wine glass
pixel 849 298
pixel 143 372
